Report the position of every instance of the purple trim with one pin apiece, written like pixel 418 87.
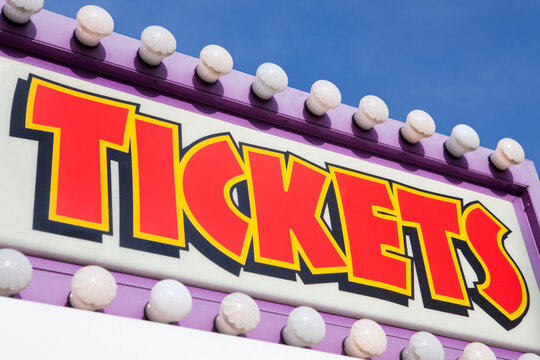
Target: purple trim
pixel 530 231
pixel 531 210
pixel 51 284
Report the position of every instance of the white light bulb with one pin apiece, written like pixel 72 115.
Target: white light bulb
pixel 366 340
pixel 477 351
pixel 270 79
pixel 92 288
pixel 214 62
pixel 418 125
pixel 305 327
pixel 170 301
pixel 371 111
pixel 324 96
pixel 507 153
pixel 423 346
pixel 93 24
pixel 156 44
pixel 20 11
pixel 238 314
pixel 15 272
pixel 529 356
pixel 463 139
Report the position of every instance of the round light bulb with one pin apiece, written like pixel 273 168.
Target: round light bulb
pixel 366 340
pixel 238 314
pixel 20 11
pixel 270 79
pixel 418 125
pixel 93 24
pixel 463 139
pixel 156 44
pixel 305 327
pixel 477 351
pixel 324 96
pixel 15 272
pixel 507 153
pixel 423 346
pixel 529 356
pixel 170 301
pixel 371 111
pixel 92 288
pixel 214 62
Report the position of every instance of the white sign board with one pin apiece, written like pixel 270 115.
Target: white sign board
pixel 94 175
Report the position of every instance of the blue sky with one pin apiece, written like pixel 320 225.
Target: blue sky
pixel 473 62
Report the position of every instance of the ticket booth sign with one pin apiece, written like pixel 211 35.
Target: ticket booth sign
pixel 91 174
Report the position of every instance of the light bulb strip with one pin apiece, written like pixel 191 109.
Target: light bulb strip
pixel 134 292
pixel 56 42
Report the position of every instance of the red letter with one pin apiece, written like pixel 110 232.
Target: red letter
pixel 84 126
pixel 210 169
pixel 156 179
pixel 436 219
pixel 371 231
pixel 286 203
pixel 503 287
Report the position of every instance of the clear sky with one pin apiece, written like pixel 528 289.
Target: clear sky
pixel 473 62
